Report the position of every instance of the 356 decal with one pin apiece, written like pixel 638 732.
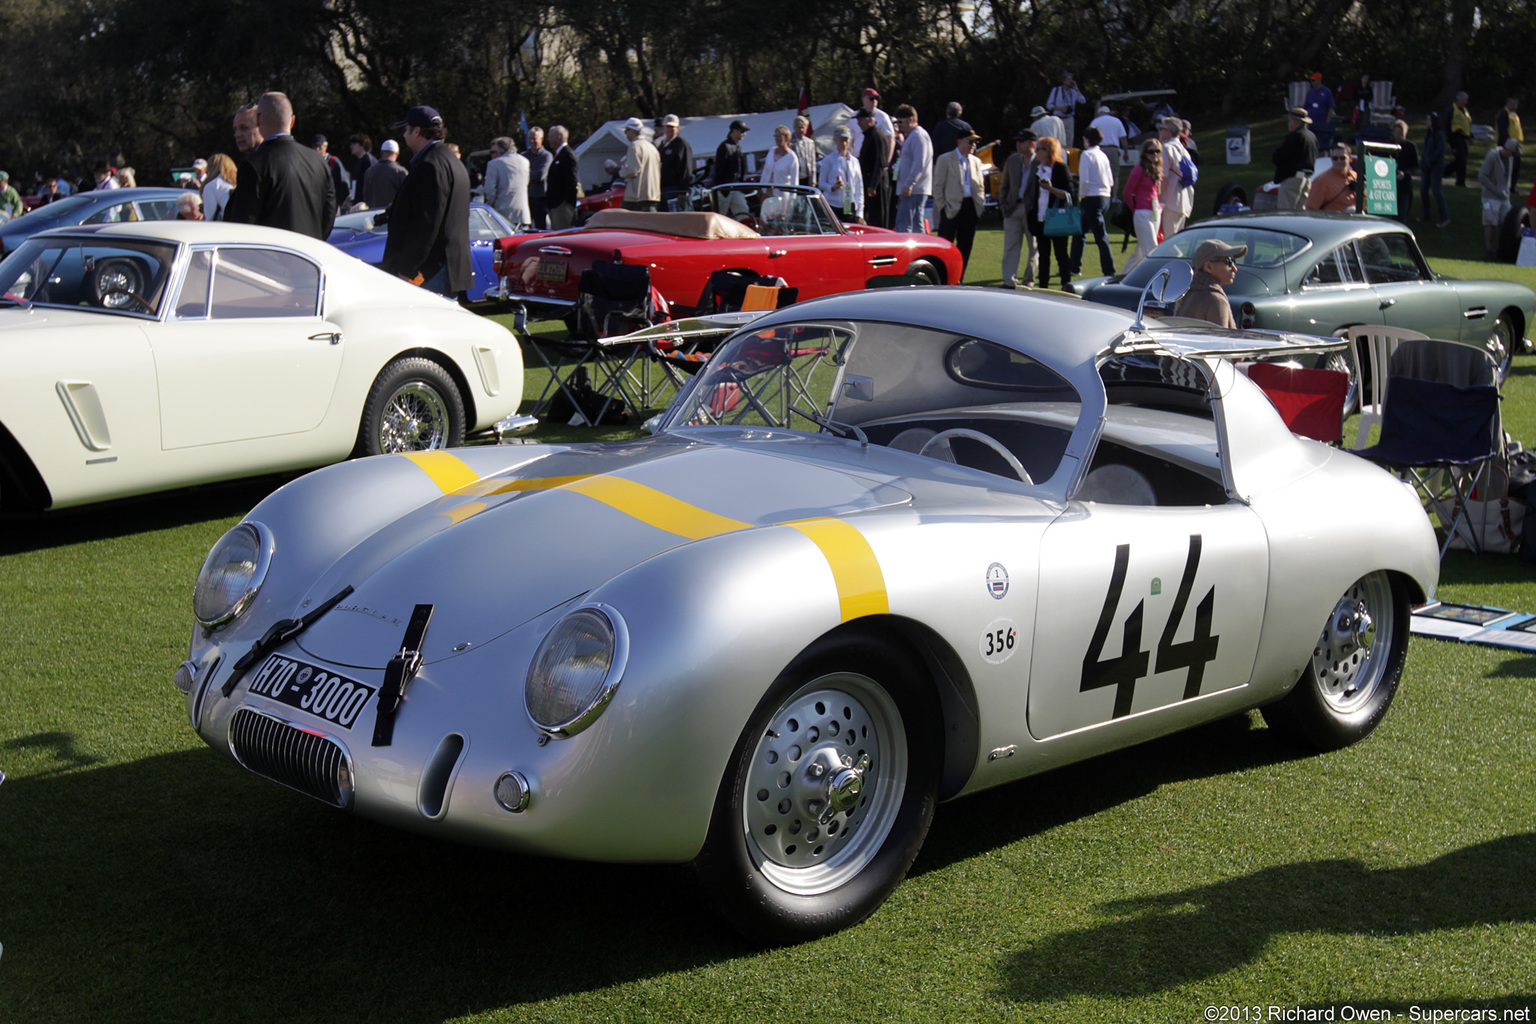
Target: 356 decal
pixel 1132 664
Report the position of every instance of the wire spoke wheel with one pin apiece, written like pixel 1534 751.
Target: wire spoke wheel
pixel 415 419
pixel 413 406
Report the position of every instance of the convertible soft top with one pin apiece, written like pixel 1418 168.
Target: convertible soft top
pixel 682 225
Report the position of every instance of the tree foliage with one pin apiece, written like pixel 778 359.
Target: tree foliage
pixel 153 84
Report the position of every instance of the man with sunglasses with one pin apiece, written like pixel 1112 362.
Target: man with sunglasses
pixel 1215 265
pixel 1334 189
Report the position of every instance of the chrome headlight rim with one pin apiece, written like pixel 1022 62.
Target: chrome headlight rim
pixel 601 695
pixel 264 545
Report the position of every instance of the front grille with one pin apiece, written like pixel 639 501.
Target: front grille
pixel 298 758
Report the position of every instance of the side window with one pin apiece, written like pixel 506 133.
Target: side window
pixel 1390 257
pixel 194 290
pixel 157 209
pixel 264 283
pixel 1326 272
pixel 111 214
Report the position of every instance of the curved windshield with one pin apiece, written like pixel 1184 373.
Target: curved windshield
pixel 118 275
pixel 1266 248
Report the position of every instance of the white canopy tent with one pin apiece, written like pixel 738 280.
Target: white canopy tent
pixel 706 133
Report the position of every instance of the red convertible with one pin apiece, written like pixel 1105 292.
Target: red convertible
pixel 786 232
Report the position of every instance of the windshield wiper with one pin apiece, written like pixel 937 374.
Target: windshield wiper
pixel 278 634
pixel 841 429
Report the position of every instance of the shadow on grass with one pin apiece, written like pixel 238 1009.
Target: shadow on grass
pixel 181 887
pixel 1163 942
pixel 997 817
pixel 136 515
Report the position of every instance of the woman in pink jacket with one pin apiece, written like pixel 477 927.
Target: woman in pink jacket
pixel 1141 196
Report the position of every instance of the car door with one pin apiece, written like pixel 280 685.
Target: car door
pixel 1142 609
pixel 1408 294
pixel 245 352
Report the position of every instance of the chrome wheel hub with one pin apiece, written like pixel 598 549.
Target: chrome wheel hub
pixel 1350 658
pixel 825 783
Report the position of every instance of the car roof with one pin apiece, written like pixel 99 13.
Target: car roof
pixel 1320 227
pixel 1060 330
pixel 200 231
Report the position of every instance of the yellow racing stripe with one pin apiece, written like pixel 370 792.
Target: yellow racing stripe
pixel 447 470
pixel 860 583
pixel 855 569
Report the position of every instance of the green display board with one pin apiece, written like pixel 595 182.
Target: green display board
pixel 1380 185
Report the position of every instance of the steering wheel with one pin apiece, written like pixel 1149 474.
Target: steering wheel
pixel 941 439
pixel 122 298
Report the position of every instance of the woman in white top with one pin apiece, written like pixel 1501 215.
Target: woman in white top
pixel 781 166
pixel 841 179
pixel 221 182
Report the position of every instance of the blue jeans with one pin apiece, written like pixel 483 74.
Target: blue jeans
pixel 438 282
pixel 909 213
pixel 1093 220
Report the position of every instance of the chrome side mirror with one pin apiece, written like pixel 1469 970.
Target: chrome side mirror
pixel 1166 286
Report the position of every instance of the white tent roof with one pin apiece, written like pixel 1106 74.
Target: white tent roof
pixel 705 133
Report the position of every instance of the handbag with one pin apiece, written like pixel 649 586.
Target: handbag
pixel 1063 221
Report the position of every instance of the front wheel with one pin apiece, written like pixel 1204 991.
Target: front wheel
pixel 1501 344
pixel 1354 671
pixel 923 272
pixel 413 406
pixel 828 797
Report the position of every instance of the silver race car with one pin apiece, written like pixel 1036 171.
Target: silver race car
pixel 888 548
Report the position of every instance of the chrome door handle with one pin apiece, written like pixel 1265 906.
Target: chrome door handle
pixel 333 336
pixel 775 254
pixel 1387 303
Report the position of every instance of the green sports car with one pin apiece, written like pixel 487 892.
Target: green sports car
pixel 1321 273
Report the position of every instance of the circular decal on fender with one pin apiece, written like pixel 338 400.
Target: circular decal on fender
pixel 997 580
pixel 998 642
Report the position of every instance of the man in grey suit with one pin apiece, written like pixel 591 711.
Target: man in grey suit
pixel 506 183
pixel 1017 190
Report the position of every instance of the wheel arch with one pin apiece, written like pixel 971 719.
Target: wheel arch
pixel 22 487
pixel 941 671
pixel 1515 317
pixel 450 366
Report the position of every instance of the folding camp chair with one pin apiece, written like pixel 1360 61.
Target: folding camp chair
pixel 1311 402
pixel 612 300
pixel 1441 435
pixel 727 291
pixel 1372 346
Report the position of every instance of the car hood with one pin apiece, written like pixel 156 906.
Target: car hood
pixel 501 551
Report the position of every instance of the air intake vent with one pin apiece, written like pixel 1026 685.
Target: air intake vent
pixel 298 758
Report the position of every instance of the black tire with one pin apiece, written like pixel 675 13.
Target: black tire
pixel 1354 671
pixel 776 872
pixel 1231 192
pixel 1515 221
pixel 413 406
pixel 924 272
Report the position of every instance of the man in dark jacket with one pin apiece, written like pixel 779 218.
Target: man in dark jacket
pixel 429 219
pixel 283 184
pixel 1294 161
pixel 560 188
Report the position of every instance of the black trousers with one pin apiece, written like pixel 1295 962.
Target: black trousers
pixel 1459 162
pixel 961 230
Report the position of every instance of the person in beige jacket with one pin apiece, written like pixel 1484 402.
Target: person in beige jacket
pixel 641 169
pixel 959 194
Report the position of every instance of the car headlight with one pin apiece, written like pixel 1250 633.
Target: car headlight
pixel 231 574
pixel 576 670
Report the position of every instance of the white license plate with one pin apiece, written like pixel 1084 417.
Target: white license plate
pixel 320 692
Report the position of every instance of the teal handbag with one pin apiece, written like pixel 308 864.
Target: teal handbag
pixel 1063 221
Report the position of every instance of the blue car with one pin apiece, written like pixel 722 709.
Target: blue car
pixel 107 206
pixel 358 235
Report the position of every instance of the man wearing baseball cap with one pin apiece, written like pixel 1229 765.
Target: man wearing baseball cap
pixel 429 219
pixel 1215 265
pixel 641 169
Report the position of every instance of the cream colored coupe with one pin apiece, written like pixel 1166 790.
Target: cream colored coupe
pixel 142 357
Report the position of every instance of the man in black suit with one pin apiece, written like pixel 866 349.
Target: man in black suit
pixel 283 184
pixel 429 219
pixel 560 186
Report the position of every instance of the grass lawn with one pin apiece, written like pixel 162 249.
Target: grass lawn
pixel 143 877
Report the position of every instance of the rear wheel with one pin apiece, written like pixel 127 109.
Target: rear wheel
pixel 828 797
pixel 1354 671
pixel 413 406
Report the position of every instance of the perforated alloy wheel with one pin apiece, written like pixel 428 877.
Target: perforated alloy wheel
pixel 413 406
pixel 1354 670
pixel 829 796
